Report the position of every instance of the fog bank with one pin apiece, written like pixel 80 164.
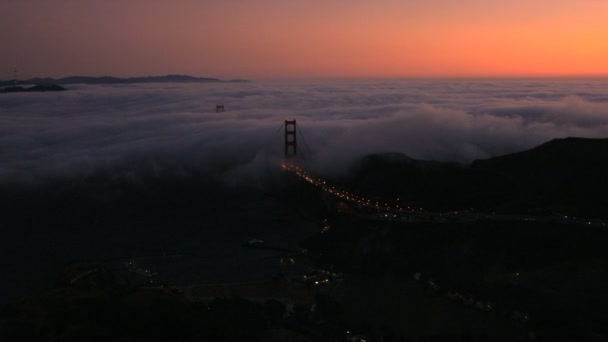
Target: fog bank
pixel 152 129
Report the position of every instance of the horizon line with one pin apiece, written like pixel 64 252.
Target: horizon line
pixel 345 78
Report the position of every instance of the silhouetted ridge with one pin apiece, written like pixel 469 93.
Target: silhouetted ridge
pixel 37 87
pixel 373 160
pixel 117 80
pixel 393 175
pixel 563 175
pixel 557 152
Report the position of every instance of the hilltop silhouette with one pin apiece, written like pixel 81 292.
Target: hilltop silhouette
pixel 562 175
pixel 115 80
pixel 37 87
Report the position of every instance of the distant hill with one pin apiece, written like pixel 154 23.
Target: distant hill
pixel 35 88
pixel 557 153
pixel 563 175
pixel 116 80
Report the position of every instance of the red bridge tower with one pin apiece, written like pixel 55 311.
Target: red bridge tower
pixel 291 146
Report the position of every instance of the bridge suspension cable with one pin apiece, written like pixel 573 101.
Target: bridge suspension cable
pixel 304 140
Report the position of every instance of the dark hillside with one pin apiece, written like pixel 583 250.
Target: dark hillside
pixel 561 176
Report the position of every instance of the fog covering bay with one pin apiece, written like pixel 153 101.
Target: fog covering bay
pixel 152 172
pixel 137 129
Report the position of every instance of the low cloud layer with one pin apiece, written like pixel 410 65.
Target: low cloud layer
pixel 136 129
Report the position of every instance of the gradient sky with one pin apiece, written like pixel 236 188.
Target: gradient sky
pixel 266 39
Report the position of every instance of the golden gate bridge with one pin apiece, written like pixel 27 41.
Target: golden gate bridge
pixel 396 209
pixel 387 209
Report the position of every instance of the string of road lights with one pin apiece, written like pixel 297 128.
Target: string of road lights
pixel 393 208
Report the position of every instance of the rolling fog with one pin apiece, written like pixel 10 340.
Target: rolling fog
pixel 149 129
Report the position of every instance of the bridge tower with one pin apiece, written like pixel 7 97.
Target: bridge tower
pixel 291 146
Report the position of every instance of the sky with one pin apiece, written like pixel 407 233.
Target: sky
pixel 294 39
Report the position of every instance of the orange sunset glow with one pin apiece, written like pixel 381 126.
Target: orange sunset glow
pixel 299 39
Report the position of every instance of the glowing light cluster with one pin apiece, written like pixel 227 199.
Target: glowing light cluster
pixel 390 209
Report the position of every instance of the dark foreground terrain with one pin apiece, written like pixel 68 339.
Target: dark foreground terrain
pixel 504 280
pixel 524 260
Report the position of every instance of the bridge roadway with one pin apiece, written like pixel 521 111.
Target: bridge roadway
pixel 395 211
